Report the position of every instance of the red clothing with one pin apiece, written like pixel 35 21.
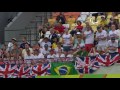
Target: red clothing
pixel 119 50
pixel 79 27
pixel 88 47
pixel 60 29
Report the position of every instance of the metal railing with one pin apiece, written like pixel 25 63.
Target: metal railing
pixel 31 34
pixel 30 31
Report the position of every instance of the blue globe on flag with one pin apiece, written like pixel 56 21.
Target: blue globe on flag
pixel 63 70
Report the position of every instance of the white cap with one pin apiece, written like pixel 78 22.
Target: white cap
pixel 103 16
pixel 78 33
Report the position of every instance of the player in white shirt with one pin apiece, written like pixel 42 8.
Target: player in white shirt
pixel 112 45
pixel 113 32
pixel 101 37
pixel 89 38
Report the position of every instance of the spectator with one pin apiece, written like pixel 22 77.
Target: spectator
pixel 107 29
pixel 58 48
pixel 113 32
pixel 85 28
pixel 24 41
pixel 51 55
pixel 59 54
pixel 27 51
pixel 16 52
pixel 101 37
pixel 112 45
pixel 61 18
pixel 5 52
pixel 103 21
pixel 28 55
pixel 119 38
pixel 95 14
pixel 67 41
pixel 79 26
pixel 10 44
pixel 89 38
pixel 83 16
pixel 45 50
pixel 59 28
pixel 53 35
pixel 54 45
pixel 78 42
pixel 37 54
pixel 81 52
pixel 46 24
pixel 113 21
pixel 45 41
pixel 70 54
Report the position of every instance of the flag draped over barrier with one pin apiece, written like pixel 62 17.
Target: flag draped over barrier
pixel 63 68
pixel 79 65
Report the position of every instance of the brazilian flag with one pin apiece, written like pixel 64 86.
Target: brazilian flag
pixel 63 68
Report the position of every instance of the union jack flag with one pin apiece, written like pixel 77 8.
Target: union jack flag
pixel 40 70
pixel 86 65
pixel 108 60
pixel 6 70
pixel 22 71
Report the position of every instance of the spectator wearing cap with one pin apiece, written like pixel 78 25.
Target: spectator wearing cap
pixel 88 36
pixel 45 51
pixel 101 37
pixel 27 51
pixel 24 41
pixel 53 35
pixel 67 40
pixel 103 21
pixel 78 42
pixel 112 45
pixel 113 32
pixel 10 44
pixel 45 41
pixel 61 18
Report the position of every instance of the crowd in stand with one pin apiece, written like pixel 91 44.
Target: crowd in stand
pixel 69 42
